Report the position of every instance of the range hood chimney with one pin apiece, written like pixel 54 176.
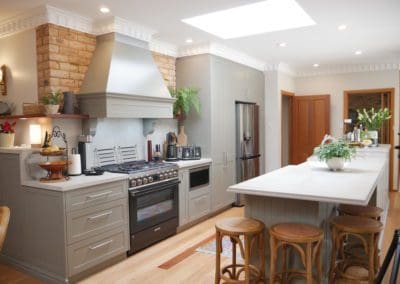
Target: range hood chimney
pixel 123 81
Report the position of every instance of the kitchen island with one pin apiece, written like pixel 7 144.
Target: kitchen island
pixel 308 193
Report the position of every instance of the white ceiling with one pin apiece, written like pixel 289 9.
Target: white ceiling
pixel 373 27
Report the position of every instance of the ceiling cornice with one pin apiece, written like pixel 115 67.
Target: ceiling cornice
pixel 163 47
pixel 281 67
pixel 350 68
pixel 224 52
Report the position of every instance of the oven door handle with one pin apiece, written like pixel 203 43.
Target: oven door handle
pixel 135 193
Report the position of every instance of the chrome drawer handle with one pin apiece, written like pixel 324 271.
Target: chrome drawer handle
pixel 100 245
pixel 100 215
pixel 103 194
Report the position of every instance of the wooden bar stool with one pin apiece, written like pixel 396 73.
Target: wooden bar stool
pixel 306 240
pixel 368 211
pixel 366 231
pixel 252 232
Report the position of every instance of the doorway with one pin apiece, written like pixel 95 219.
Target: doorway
pixel 376 98
pixel 286 122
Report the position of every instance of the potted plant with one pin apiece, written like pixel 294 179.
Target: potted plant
pixel 335 153
pixel 52 102
pixel 185 99
pixel 7 134
pixel 372 121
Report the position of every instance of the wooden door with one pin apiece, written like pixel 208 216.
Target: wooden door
pixel 310 122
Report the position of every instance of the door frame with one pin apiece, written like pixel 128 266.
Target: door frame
pixel 346 94
pixel 290 96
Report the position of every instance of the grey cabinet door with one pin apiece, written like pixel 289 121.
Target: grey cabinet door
pixel 183 197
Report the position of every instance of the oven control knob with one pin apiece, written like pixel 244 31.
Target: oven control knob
pixel 139 181
pixel 175 173
pixel 150 179
pixel 170 174
pixel 145 180
pixel 161 176
pixel 132 183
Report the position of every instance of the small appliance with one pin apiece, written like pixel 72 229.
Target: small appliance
pixel 172 150
pixel 189 153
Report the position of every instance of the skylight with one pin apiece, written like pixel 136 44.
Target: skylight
pixel 252 19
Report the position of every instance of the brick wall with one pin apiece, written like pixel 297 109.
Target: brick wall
pixel 63 56
pixel 166 64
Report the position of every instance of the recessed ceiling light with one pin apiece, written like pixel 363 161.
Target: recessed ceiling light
pixel 315 65
pixel 358 52
pixel 251 19
pixel 342 27
pixel 189 40
pixel 282 44
pixel 104 10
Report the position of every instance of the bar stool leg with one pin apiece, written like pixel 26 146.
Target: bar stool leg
pixel 371 259
pixel 233 258
pixel 247 259
pixel 273 260
pixel 284 264
pixel 319 262
pixel 309 275
pixel 218 258
pixel 261 250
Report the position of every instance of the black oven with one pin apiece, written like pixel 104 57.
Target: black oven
pixel 153 213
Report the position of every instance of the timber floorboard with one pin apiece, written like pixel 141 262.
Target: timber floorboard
pixel 196 268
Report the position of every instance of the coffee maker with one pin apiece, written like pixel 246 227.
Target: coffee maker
pixel 172 150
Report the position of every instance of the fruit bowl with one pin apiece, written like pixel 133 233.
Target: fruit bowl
pixel 55 170
pixel 59 152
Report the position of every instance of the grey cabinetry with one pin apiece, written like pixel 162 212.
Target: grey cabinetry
pixel 183 196
pixel 61 236
pixel 221 83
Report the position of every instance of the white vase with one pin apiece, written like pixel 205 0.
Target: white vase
pixel 335 164
pixel 7 139
pixel 51 109
pixel 373 135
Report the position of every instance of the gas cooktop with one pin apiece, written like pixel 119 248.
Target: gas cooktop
pixel 142 173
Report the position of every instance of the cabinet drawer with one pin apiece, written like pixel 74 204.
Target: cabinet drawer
pixel 199 206
pixel 94 195
pixel 89 253
pixel 91 221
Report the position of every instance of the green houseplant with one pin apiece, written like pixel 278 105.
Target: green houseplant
pixel 335 154
pixel 52 102
pixel 185 99
pixel 372 120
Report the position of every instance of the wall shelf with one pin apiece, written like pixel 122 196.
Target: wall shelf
pixel 56 116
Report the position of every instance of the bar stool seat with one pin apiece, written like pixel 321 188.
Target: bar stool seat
pixel 368 211
pixel 366 231
pixel 252 232
pixel 306 240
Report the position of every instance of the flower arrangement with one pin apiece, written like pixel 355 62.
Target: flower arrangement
pixel 7 127
pixel 373 119
pixel 335 149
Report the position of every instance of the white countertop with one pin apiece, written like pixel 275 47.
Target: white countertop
pixel 193 163
pixel 76 182
pixel 17 149
pixel 313 181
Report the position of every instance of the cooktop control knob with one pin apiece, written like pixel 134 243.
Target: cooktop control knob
pixel 150 179
pixel 175 173
pixel 145 180
pixel 161 176
pixel 132 183
pixel 139 181
pixel 170 174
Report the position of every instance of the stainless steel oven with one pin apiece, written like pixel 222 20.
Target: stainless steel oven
pixel 154 213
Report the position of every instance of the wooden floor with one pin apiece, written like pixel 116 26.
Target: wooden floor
pixel 197 268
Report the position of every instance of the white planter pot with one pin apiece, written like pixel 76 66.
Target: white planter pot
pixel 373 135
pixel 335 164
pixel 7 139
pixel 51 109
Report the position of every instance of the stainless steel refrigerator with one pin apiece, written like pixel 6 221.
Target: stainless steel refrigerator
pixel 247 144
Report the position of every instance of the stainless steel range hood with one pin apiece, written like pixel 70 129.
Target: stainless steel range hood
pixel 123 81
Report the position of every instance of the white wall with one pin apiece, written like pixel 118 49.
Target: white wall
pixel 335 85
pixel 18 53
